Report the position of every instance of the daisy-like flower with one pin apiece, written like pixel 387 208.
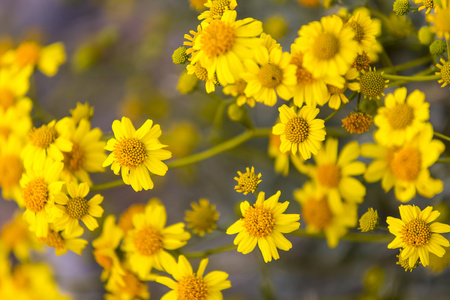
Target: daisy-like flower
pixel 357 122
pixel 238 90
pixel 264 223
pixel 417 234
pixel 310 89
pixel 136 153
pixel 82 111
pixel 247 182
pixel 300 131
pixel 202 218
pixel 444 72
pixel 39 188
pixel 75 207
pixel 365 30
pixel 146 244
pixel 202 74
pixel 87 154
pixel 11 169
pixel 426 4
pixel 62 241
pixel 319 217
pixel 216 9
pixel 406 167
pixel 194 286
pixel 328 46
pixel 128 286
pixel 336 95
pixel 440 20
pixel 372 84
pixel 15 121
pixel 333 174
pixel 126 218
pixel 13 87
pixel 270 74
pixel 401 118
pixel 49 140
pixel 223 44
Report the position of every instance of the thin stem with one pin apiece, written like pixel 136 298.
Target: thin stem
pixel 108 185
pixel 408 65
pixel 206 253
pixel 353 237
pixel 412 78
pixel 442 136
pixel 443 160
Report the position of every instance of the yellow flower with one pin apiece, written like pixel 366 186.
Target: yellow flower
pixel 126 218
pixel 136 153
pixel 82 111
pixel 146 244
pixel 328 46
pixel 319 217
pixel 62 241
pixel 47 141
pixel 426 4
pixel 444 72
pixel 333 174
pixel 13 86
pixel 202 218
pixel 401 118
pixel 247 182
pixel 202 74
pixel 238 90
pixel 336 94
pixel 75 207
pixel 406 167
pixel 365 30
pixel 300 131
pixel 223 44
pixel 357 122
pixel 198 5
pixel 372 84
pixel 264 223
pixel 126 287
pixel 441 21
pixel 417 234
pixel 269 75
pixel 217 8
pixel 11 169
pixel 194 286
pixel 16 122
pixel 39 189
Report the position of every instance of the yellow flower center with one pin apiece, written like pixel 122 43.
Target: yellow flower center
pixel 200 72
pixel 317 213
pixel 303 75
pixel 202 219
pixel 27 54
pixel 11 169
pixel 130 152
pixel 336 91
pixel 405 163
pixel 362 62
pixel 5 132
pixel 416 233
pixel 359 31
pixel 372 84
pixel 74 160
pixel 404 263
pixel 248 182
pixel 192 287
pixel 400 116
pixel 35 194
pixel 148 241
pixel 218 7
pixel 270 76
pixel 297 130
pixel 104 261
pixel 428 3
pixel 53 239
pixel 357 122
pixel 328 175
pixel 368 221
pixel 77 207
pixel 6 98
pixel 445 70
pixel 217 38
pixel 258 221
pixel 326 46
pixel 43 136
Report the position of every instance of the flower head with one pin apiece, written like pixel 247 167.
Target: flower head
pixel 11 169
pixel 62 241
pixel 264 223
pixel 444 72
pixel 369 220
pixel 357 122
pixel 372 84
pixel 426 4
pixel 216 9
pixel 247 182
pixel 202 218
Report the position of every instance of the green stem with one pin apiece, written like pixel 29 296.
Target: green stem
pixel 448 48
pixel 230 144
pixel 108 185
pixel 412 78
pixel 442 136
pixel 443 160
pixel 203 254
pixel 353 237
pixel 408 65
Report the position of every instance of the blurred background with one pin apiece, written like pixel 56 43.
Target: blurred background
pixel 119 61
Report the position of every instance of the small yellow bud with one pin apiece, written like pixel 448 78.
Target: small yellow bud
pixel 179 56
pixel 369 220
pixel 425 35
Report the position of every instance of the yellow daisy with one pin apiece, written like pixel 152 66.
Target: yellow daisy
pixel 333 174
pixel 328 46
pixel 426 4
pixel 441 21
pixel 300 131
pixel 194 286
pixel 126 287
pixel 126 218
pixel 372 84
pixel 444 72
pixel 39 188
pixel 417 234
pixel 202 74
pixel 319 217
pixel 62 241
pixel 365 30
pixel 264 223
pixel 75 207
pixel 202 218
pixel 13 86
pixel 247 182
pixel 146 245
pixel 336 95
pixel 82 111
pixel 216 9
pixel 269 75
pixel 47 141
pixel 223 44
pixel 406 167
pixel 16 122
pixel 238 90
pixel 136 153
pixel 11 169
pixel 401 118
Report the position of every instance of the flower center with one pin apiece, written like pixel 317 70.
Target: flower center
pixel 148 241
pixel 130 152
pixel 35 194
pixel 11 169
pixel 400 116
pixel 200 72
pixel 5 132
pixel 74 160
pixel 248 182
pixel 104 261
pixel 218 7
pixel 416 233
pixel 445 70
pixel 405 163
pixel 359 31
pixel 27 54
pixel 6 98
pixel 428 3
pixel 203 219
pixel 192 287
pixel 53 239
pixel 317 213
pixel 303 75
pixel 43 136
pixel 217 38
pixel 336 91
pixel 362 62
pixel 258 221
pixel 326 46
pixel 297 130
pixel 357 122
pixel 77 207
pixel 372 84
pixel 270 76
pixel 328 175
